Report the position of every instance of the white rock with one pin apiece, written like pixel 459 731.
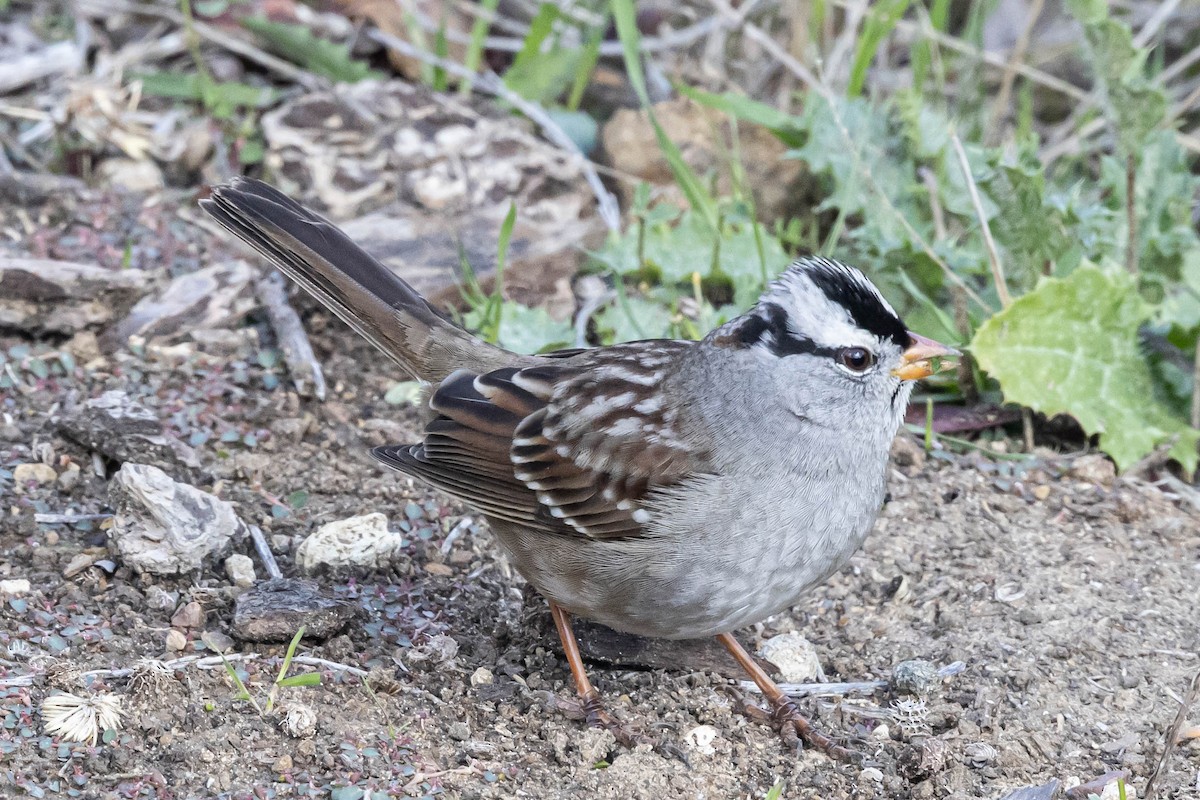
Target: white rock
pixel 482 677
pixel 870 775
pixel 363 541
pixel 165 527
pixel 15 586
pixel 700 739
pixel 1112 791
pixel 240 570
pixel 141 176
pixel 37 472
pixel 795 657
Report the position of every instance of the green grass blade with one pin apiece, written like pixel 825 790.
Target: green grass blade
pixel 880 22
pixel 699 199
pixel 479 29
pixel 303 679
pixel 743 108
pixel 585 67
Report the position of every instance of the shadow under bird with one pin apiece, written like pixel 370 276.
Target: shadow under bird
pixel 666 488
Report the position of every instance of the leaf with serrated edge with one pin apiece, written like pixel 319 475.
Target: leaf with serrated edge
pixel 1070 347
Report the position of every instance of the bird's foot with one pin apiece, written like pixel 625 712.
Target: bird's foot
pixel 794 728
pixel 796 732
pixel 597 716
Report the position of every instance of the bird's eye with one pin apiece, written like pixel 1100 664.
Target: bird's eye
pixel 856 359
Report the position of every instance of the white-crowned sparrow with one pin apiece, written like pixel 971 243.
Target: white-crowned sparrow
pixel 667 488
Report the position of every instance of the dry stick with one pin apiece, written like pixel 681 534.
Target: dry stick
pixel 297 350
pixel 513 44
pixel 855 13
pixel 809 79
pixel 491 83
pixel 994 261
pixel 1131 214
pixel 1172 739
pixel 988 241
pixel 1156 21
pixel 991 59
pixel 264 552
pixel 1196 388
pixel 853 687
pixel 55 59
pixel 1000 104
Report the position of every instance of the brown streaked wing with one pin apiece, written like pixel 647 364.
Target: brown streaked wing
pixel 571 446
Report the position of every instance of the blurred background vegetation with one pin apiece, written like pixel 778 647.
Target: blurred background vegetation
pixel 1017 175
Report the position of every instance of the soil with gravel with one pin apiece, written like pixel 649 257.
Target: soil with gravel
pixel 1073 605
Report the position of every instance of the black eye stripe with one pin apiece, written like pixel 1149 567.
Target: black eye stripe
pixel 769 328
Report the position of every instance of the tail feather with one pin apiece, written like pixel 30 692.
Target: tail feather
pixel 356 287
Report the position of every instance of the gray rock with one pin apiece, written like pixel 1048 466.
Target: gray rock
pixel 240 570
pixel 915 677
pixel 165 527
pixel 272 611
pixel 117 426
pixel 43 296
pixel 213 297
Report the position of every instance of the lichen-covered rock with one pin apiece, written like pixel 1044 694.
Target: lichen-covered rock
pixel 166 527
pixel 362 541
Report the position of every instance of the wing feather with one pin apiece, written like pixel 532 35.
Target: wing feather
pixel 569 446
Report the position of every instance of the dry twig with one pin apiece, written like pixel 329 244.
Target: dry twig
pixel 293 341
pixel 1172 738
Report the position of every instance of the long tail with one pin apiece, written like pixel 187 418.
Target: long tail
pixel 366 295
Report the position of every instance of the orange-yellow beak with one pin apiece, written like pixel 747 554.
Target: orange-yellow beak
pixel 917 361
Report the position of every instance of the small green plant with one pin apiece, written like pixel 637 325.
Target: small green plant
pixel 282 680
pixel 511 325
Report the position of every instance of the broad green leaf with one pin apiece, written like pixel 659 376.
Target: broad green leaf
pixel 672 253
pixel 532 330
pixel 633 318
pixel 1070 347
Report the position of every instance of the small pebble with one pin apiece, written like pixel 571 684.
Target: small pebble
pixel 221 642
pixel 793 655
pixel 460 731
pixel 700 739
pixel 36 472
pixel 482 677
pixel 240 570
pixel 882 732
pixel 15 586
pixel 176 641
pixel 69 477
pixel 300 721
pixel 52 538
pixel 283 763
pixel 440 570
pixel 870 775
pixel 1041 492
pixel 78 563
pixel 190 616
pixel 915 677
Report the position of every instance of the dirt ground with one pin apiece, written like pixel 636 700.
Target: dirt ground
pixel 1076 616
